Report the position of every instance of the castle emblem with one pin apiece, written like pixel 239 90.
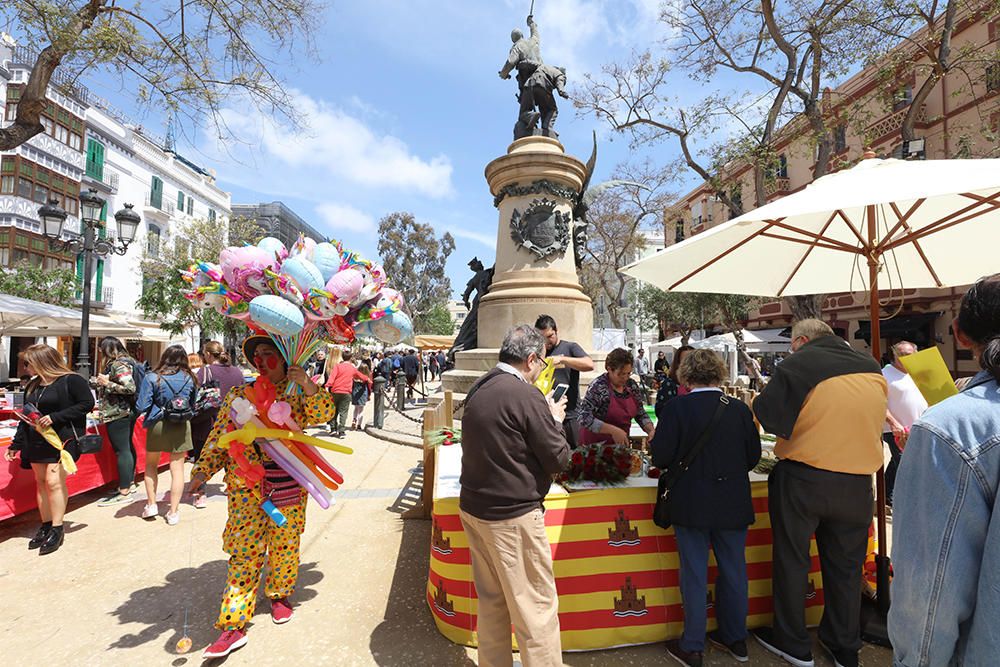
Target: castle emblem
pixel 811 591
pixel 630 604
pixel 623 534
pixel 441 601
pixel 439 542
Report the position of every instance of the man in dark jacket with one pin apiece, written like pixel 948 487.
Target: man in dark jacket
pixel 411 368
pixel 826 403
pixel 512 444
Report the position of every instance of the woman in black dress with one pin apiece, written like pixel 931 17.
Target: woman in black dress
pixel 63 398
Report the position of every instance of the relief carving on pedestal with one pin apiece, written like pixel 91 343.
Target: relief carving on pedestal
pixel 541 228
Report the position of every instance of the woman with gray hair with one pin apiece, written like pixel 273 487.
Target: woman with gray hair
pixel 710 502
pixel 613 400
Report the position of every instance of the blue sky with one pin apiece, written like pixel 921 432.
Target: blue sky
pixel 405 109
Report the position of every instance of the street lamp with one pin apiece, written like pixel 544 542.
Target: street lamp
pixel 91 204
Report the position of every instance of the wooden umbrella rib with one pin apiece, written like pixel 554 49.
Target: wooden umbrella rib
pixel 850 225
pixel 802 261
pixel 813 235
pixel 902 223
pixel 916 244
pixel 724 254
pixel 948 220
pixel 813 243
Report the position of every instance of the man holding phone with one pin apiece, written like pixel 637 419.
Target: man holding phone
pixel 569 360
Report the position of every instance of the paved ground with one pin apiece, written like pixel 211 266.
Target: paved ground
pixel 118 591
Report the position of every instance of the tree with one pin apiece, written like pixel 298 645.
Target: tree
pixel 437 321
pixel 190 57
pixel 682 312
pixel 732 311
pixel 617 217
pixel 414 260
pixel 162 283
pixel 55 286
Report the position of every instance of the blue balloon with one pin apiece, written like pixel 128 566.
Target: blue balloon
pixel 273 246
pixel 393 328
pixel 327 259
pixel 303 272
pixel 276 315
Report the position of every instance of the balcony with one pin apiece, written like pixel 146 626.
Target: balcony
pixel 162 208
pixel 778 187
pixel 106 181
pixel 891 124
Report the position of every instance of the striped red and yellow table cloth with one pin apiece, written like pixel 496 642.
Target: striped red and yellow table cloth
pixel 616 571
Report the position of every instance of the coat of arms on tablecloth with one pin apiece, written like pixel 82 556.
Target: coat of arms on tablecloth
pixel 811 591
pixel 630 604
pixel 541 229
pixel 622 534
pixel 439 542
pixel 441 601
pixel 710 601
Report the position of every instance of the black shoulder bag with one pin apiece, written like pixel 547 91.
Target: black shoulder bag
pixel 661 511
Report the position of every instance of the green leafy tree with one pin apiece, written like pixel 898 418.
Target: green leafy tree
pixel 162 283
pixel 680 312
pixel 191 58
pixel 55 286
pixel 438 321
pixel 414 259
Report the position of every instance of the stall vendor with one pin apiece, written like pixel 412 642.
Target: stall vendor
pixel 613 400
pixel 251 537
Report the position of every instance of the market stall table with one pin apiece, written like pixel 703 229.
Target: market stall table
pixel 17 486
pixel 616 571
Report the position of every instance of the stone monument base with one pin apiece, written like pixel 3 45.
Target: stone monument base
pixel 473 364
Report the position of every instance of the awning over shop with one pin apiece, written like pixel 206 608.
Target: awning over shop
pixel 915 327
pixel 151 332
pixel 27 318
pixel 429 342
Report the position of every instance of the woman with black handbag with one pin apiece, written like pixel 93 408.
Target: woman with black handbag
pixel 166 401
pixel 215 379
pixel 63 399
pixel 706 445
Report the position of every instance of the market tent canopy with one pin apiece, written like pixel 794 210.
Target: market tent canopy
pixel 24 317
pixel 767 340
pixel 934 223
pixel 429 342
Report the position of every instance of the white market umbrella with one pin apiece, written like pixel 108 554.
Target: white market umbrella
pixel 21 314
pixel 889 223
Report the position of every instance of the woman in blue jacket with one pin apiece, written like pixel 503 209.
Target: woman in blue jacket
pixel 710 504
pixel 165 392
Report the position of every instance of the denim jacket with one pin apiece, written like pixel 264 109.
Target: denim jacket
pixel 945 549
pixel 158 390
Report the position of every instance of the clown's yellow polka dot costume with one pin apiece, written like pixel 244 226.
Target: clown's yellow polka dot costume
pixel 250 536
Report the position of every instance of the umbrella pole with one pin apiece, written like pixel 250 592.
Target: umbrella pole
pixel 881 558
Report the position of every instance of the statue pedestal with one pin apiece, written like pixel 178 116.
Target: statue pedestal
pixel 534 187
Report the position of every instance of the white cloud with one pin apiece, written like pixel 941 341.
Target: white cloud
pixel 488 240
pixel 344 217
pixel 337 147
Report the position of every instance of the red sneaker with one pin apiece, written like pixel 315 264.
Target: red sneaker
pixel 281 611
pixel 229 641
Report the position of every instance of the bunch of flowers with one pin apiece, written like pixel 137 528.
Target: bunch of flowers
pixel 445 437
pixel 605 464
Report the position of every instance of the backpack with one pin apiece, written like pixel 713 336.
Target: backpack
pixel 209 396
pixel 138 375
pixel 177 409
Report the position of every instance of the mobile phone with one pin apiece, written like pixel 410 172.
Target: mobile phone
pixel 559 392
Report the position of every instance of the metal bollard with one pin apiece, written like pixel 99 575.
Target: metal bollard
pixel 379 394
pixel 401 393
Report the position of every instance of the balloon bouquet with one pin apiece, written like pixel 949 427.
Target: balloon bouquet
pixel 303 297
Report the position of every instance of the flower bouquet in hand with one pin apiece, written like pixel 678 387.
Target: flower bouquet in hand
pixel 600 463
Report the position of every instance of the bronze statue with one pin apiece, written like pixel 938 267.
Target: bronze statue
pixel 468 334
pixel 535 83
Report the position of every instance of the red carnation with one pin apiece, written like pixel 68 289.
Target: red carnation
pixel 577 458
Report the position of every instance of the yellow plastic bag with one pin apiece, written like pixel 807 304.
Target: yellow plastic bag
pixel 547 379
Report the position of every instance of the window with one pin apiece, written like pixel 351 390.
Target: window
pixel 11 112
pixel 840 139
pixel 95 159
pixel 902 97
pixel 190 206
pixel 782 166
pixel 153 240
pixel 7 185
pixel 180 200
pixel 211 215
pixel 993 78
pixel 678 230
pixel 59 124
pixel 156 193
pixel 38 184
pixel 736 196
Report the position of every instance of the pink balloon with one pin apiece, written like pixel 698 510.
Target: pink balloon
pixel 346 285
pixel 233 258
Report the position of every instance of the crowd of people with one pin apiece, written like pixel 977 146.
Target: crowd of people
pixel 833 409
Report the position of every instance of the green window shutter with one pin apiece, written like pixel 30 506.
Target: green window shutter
pixel 102 231
pixel 190 206
pixel 211 215
pixel 156 193
pixel 99 281
pixel 180 201
pixel 79 276
pixel 95 159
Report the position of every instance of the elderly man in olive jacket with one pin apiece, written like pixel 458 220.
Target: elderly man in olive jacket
pixel 512 444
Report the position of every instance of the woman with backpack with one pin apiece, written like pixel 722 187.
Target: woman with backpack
pixel 360 390
pixel 215 377
pixel 63 399
pixel 166 399
pixel 116 396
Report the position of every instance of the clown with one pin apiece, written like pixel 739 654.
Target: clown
pixel 251 538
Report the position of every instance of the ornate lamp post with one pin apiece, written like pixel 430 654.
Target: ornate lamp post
pixel 53 218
